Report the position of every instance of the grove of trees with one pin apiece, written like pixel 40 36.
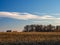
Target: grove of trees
pixel 41 28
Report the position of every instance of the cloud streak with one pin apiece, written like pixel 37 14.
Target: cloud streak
pixel 24 16
pixel 35 19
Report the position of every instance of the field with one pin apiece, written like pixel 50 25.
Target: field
pixel 29 36
pixel 12 37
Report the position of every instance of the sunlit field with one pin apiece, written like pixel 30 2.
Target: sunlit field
pixel 29 36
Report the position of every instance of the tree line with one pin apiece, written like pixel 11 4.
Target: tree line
pixel 41 28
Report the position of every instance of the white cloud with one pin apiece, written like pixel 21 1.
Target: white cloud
pixel 15 15
pixel 24 16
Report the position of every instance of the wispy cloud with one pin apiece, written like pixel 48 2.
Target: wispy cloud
pixel 43 19
pixel 25 16
pixel 16 15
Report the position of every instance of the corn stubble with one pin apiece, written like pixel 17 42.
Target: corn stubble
pixel 29 36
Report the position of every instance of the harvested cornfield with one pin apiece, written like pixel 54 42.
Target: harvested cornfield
pixel 29 36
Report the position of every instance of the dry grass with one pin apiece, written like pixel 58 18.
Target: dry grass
pixel 29 36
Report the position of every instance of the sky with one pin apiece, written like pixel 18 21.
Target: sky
pixel 15 14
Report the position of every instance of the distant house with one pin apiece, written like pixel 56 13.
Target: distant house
pixel 8 31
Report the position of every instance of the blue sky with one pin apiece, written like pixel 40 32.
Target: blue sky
pixel 15 14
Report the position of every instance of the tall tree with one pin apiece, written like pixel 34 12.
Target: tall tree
pixel 26 28
pixel 49 27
